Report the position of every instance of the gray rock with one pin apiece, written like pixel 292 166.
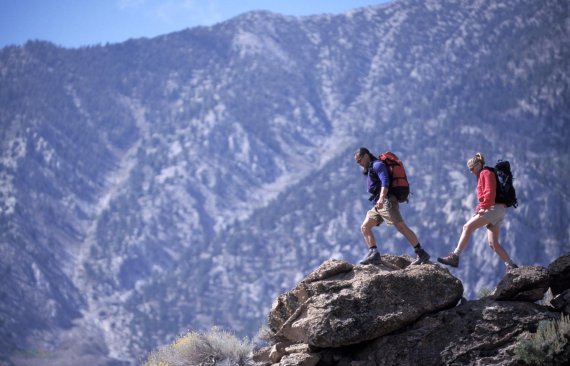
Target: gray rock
pixel 328 269
pixel 399 262
pixel 479 332
pixel 561 302
pixel 560 274
pixel 339 307
pixel 377 315
pixel 276 353
pixel 261 356
pixel 298 348
pixel 527 283
pixel 300 359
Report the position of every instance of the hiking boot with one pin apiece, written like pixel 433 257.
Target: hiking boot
pixel 452 259
pixel 511 266
pixel 372 257
pixel 421 257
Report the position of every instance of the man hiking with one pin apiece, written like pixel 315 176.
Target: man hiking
pixel 386 208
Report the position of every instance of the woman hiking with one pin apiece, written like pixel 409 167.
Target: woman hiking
pixel 487 213
pixel 386 208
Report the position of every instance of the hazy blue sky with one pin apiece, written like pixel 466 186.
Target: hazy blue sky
pixel 74 23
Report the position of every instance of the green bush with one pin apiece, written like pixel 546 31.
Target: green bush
pixel 484 292
pixel 211 348
pixel 550 344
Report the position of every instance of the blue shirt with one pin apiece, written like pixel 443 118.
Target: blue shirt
pixel 378 177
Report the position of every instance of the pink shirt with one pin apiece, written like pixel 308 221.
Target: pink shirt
pixel 486 189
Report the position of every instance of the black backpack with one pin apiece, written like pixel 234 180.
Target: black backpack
pixel 505 190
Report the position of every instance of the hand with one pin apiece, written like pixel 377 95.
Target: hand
pixel 380 203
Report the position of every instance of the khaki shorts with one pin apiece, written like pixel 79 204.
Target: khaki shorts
pixel 495 214
pixel 390 212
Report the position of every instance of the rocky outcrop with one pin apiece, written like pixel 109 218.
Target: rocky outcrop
pixel 561 302
pixel 475 332
pixel 523 284
pixel 395 314
pixel 340 304
pixel 560 274
pixel 559 271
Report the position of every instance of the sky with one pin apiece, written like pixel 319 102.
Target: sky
pixel 76 23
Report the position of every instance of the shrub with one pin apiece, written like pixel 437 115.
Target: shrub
pixel 484 292
pixel 548 346
pixel 264 334
pixel 195 348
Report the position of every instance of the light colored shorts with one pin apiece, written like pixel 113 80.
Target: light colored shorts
pixel 495 214
pixel 390 212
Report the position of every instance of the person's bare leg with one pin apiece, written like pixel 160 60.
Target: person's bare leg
pixel 372 256
pixel 493 233
pixel 421 255
pixel 407 232
pixel 470 226
pixel 366 229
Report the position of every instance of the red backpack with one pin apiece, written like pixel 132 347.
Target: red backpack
pixel 399 185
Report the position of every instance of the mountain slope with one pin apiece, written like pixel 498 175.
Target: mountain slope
pixel 184 181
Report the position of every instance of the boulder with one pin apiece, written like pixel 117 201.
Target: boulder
pixel 481 332
pixel 280 352
pixel 298 348
pixel 276 353
pixel 340 304
pixel 288 303
pixel 561 302
pixel 398 262
pixel 560 274
pixel 394 314
pixel 300 359
pixel 261 356
pixel 527 283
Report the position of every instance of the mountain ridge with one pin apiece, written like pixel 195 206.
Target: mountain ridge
pixel 190 165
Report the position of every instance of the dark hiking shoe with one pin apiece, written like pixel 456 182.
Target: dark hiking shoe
pixel 421 257
pixel 511 266
pixel 372 257
pixel 452 259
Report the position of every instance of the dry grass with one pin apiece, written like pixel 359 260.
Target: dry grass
pixel 214 347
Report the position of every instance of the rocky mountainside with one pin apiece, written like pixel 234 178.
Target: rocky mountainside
pixel 392 313
pixel 184 181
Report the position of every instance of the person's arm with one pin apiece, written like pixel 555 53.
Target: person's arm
pixel 489 190
pixel 381 197
pixel 384 176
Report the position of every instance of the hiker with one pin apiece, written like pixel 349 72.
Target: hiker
pixel 487 213
pixel 386 208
